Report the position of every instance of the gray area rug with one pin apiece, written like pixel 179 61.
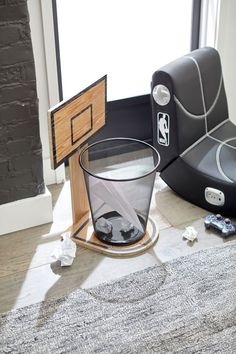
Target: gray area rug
pixel 187 305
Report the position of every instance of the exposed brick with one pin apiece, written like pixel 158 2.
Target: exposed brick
pixel 36 144
pixel 10 75
pixel 20 130
pixel 29 71
pixel 3 132
pixel 16 2
pixel 18 93
pixel 15 74
pixel 13 178
pixel 25 31
pixel 19 147
pixel 3 150
pixel 37 175
pixel 21 172
pixel 22 162
pixel 26 161
pixel 9 34
pixel 21 191
pixel 19 52
pixel 4 167
pixel 14 13
pixel 41 186
pixel 14 32
pixel 34 108
pixel 15 112
pixel 12 2
pixel 30 189
pixel 5 196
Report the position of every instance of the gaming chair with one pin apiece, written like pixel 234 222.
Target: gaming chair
pixel 193 133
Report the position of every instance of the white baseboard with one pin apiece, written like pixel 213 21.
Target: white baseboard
pixel 26 213
pixel 52 176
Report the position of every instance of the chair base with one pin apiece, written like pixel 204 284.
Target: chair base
pixel 190 184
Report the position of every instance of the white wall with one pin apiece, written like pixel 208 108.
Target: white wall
pixel 226 44
pixel 37 34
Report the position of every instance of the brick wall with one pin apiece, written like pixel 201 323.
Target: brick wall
pixel 21 172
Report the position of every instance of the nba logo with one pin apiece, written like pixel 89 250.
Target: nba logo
pixel 163 128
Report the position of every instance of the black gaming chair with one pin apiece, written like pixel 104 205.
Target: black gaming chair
pixel 193 133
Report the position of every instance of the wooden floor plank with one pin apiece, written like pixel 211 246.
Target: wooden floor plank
pixel 51 280
pixel 28 274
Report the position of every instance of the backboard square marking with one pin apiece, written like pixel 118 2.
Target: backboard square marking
pixel 81 124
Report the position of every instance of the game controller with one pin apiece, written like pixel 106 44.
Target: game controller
pixel 218 223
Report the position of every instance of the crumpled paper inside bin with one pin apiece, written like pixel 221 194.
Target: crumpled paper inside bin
pixel 65 250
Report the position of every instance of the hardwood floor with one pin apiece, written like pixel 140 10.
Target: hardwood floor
pixel 28 273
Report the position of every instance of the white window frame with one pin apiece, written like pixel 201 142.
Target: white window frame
pixel 209 23
pixel 42 33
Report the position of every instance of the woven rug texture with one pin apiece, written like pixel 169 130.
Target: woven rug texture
pixel 187 305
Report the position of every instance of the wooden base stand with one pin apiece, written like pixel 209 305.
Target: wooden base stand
pixel 84 236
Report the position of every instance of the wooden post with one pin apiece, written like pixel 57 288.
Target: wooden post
pixel 79 199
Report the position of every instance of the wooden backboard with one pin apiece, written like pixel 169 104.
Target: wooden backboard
pixel 73 121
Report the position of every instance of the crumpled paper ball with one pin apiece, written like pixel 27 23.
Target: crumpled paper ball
pixel 65 251
pixel 190 233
